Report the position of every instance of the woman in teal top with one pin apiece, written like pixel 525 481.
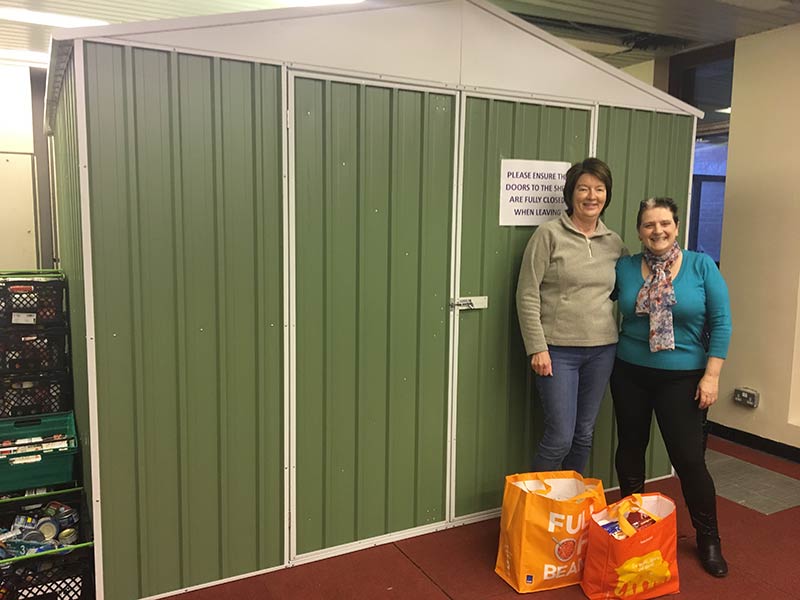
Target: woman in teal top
pixel 670 300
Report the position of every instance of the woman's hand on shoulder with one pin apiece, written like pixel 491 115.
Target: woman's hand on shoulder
pixel 707 391
pixel 541 365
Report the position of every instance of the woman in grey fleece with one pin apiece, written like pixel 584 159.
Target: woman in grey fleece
pixel 566 317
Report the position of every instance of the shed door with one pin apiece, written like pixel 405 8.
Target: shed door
pixel 495 422
pixel 373 186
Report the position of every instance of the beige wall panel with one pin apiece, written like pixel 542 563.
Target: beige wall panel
pixel 17 216
pixel 643 71
pixel 760 243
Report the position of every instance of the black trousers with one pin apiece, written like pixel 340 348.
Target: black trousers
pixel 639 392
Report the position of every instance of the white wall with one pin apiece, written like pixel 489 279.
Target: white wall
pixel 17 209
pixel 761 238
pixel 16 129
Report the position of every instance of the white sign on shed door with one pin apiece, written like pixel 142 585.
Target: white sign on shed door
pixel 531 191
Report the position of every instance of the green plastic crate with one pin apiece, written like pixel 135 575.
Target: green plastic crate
pixel 39 466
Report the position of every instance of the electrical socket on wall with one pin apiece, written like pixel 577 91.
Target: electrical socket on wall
pixel 746 396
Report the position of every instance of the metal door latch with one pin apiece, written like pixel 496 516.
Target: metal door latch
pixel 469 303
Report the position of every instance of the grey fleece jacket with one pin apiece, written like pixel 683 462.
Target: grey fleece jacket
pixel 565 284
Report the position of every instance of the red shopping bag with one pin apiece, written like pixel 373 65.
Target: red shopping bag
pixel 543 528
pixel 637 563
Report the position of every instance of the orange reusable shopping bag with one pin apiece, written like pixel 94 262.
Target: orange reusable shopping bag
pixel 543 528
pixel 644 563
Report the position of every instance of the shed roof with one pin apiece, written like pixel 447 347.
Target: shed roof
pixel 460 44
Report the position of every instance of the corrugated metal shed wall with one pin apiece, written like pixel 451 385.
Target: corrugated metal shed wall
pixel 374 175
pixel 185 188
pixel 497 422
pixel 70 251
pixel 498 425
pixel 185 166
pixel 650 155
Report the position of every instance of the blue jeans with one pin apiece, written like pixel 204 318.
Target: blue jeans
pixel 571 399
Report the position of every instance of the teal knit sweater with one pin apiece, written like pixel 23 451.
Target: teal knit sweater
pixel 701 296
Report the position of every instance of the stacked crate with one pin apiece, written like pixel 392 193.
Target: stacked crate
pixel 33 345
pixel 38 446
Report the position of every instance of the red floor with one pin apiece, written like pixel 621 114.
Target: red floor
pixel 458 564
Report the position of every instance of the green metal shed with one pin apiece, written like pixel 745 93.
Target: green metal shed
pixel 267 220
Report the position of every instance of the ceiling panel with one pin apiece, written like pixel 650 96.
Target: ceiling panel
pixel 625 28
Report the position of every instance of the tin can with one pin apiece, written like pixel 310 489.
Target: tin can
pixel 53 508
pixel 67 517
pixel 24 522
pixel 51 545
pixel 32 535
pixel 14 533
pixel 68 536
pixel 49 527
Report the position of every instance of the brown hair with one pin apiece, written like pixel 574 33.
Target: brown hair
pixel 662 202
pixel 592 166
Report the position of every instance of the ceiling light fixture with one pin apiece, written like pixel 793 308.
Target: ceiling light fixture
pixel 22 15
pixel 305 3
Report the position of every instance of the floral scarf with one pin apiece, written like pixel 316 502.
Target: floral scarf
pixel 657 297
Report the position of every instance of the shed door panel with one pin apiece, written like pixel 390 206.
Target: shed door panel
pixel 373 169
pixel 650 155
pixel 185 198
pixel 497 422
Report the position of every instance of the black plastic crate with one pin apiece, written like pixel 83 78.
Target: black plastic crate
pixel 63 574
pixel 29 300
pixel 67 576
pixel 22 395
pixel 24 351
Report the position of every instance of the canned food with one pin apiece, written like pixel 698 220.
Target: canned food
pixel 68 517
pixel 32 535
pixel 68 536
pixel 24 522
pixel 51 545
pixel 49 527
pixel 10 535
pixel 53 508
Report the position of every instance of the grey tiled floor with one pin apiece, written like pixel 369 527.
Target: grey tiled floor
pixel 752 486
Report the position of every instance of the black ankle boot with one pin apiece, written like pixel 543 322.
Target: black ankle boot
pixel 710 551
